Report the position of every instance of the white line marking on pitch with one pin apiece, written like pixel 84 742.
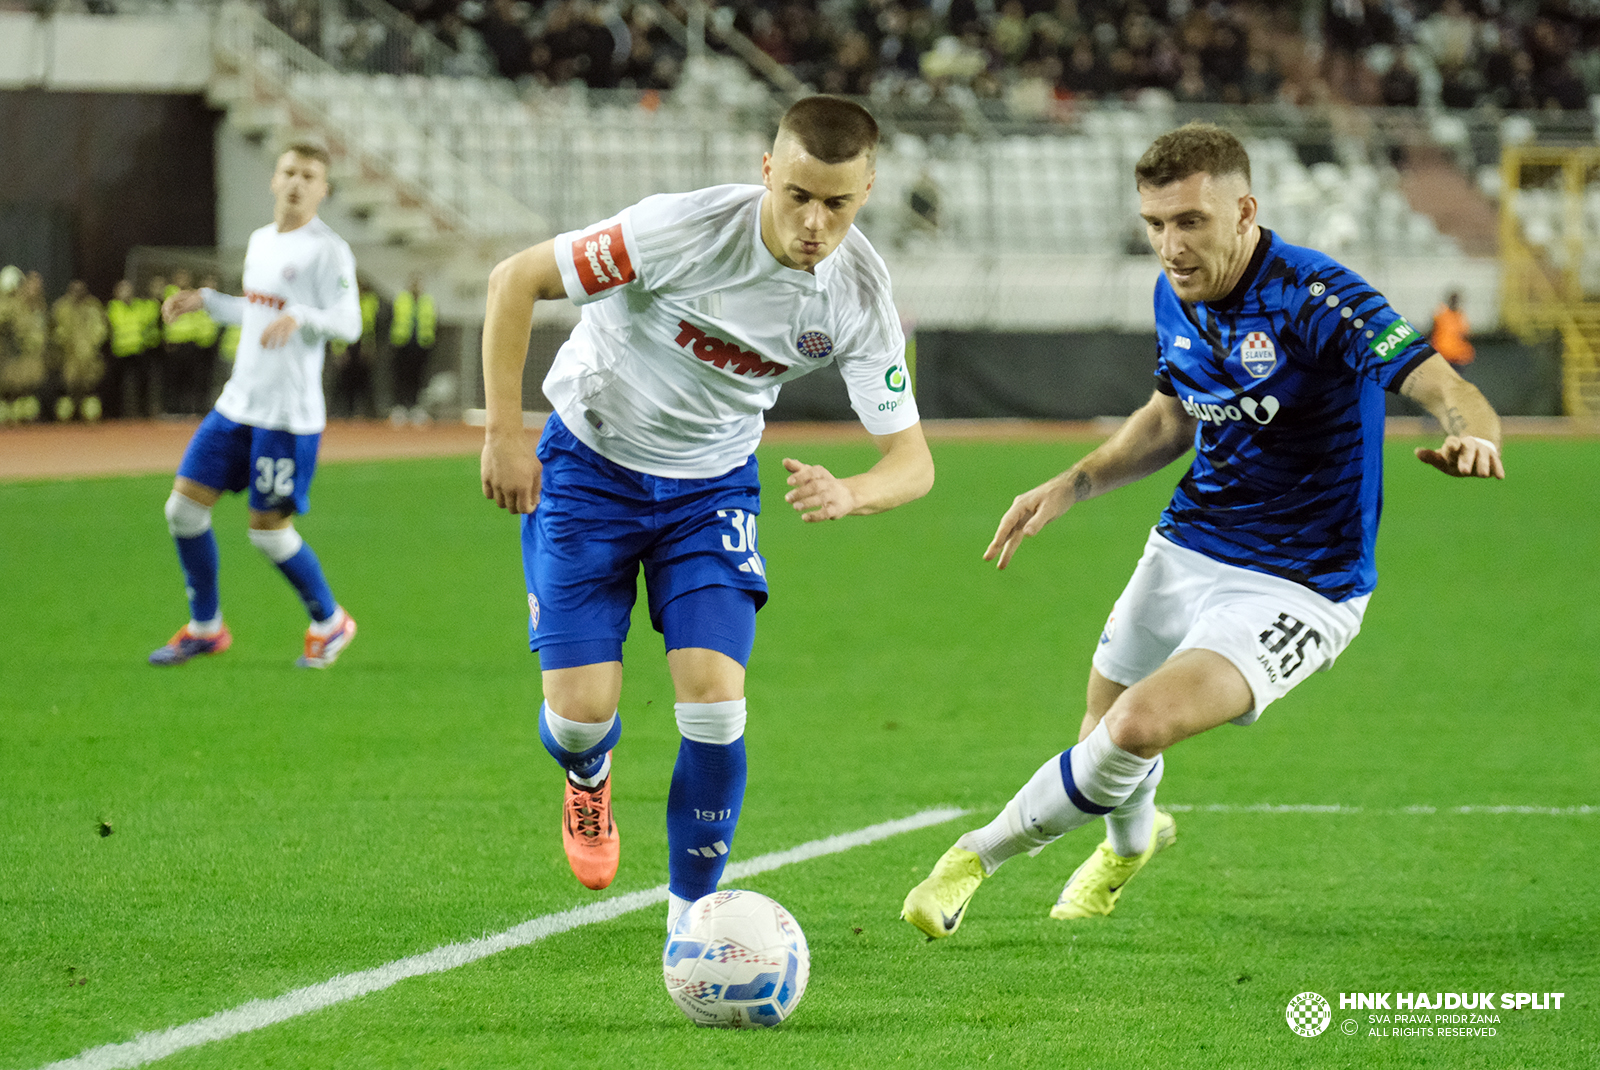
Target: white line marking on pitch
pixel 258 1013
pixel 1336 808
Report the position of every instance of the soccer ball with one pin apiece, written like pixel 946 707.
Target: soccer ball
pixel 736 959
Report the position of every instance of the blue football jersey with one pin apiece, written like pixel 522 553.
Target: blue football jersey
pixel 1286 377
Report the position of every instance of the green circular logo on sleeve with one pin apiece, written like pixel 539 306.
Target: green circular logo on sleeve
pixel 895 379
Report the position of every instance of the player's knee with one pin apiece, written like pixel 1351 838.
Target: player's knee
pixel 186 517
pixel 278 544
pixel 587 693
pixel 711 722
pixel 1140 726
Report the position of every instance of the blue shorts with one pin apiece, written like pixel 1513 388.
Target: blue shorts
pixel 598 522
pixel 277 466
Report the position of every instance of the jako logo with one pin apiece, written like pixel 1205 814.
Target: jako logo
pixel 720 354
pixel 1261 411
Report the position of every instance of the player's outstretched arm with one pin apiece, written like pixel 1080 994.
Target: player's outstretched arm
pixel 179 303
pixel 904 473
pixel 1157 434
pixel 508 469
pixel 1472 428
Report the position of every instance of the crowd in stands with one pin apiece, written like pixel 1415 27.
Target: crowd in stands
pixel 1036 54
pixel 77 358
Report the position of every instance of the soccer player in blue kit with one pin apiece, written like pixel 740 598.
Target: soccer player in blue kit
pixel 696 308
pixel 1272 365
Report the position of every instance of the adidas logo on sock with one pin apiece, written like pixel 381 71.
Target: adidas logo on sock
pixel 718 848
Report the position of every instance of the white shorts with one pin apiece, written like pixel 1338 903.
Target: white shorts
pixel 1275 631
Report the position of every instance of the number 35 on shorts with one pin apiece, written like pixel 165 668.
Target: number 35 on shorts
pixel 275 476
pixel 1286 639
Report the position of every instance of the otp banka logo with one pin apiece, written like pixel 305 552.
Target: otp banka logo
pixel 1261 412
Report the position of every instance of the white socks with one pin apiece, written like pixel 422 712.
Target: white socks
pixel 676 905
pixel 711 722
pixel 1088 781
pixel 186 517
pixel 278 544
pixel 577 737
pixel 1128 827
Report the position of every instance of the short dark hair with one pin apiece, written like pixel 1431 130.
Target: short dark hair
pixel 1191 149
pixel 831 129
pixel 310 150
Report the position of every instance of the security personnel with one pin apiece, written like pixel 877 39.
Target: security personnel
pixel 182 373
pixel 152 365
pixel 78 336
pixel 352 365
pixel 412 331
pixel 1450 331
pixel 125 374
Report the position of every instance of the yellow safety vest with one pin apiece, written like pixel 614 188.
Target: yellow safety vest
pixel 369 315
pixel 197 327
pixel 148 310
pixel 228 347
pixel 408 308
pixel 127 328
pixel 174 331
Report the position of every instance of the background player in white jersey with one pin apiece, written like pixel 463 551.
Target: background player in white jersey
pixel 1273 362
pixel 299 291
pixel 696 308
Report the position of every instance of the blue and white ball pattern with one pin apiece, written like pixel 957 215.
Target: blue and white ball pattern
pixel 737 960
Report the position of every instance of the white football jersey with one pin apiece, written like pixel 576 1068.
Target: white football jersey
pixel 309 273
pixel 701 325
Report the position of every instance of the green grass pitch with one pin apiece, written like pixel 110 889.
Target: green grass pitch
pixel 272 828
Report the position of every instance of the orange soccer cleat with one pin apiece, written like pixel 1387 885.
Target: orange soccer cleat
pixel 590 835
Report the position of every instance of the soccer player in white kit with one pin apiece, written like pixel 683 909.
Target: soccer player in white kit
pixel 697 307
pixel 299 291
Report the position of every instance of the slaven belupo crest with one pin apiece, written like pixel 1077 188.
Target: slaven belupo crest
pixel 1257 354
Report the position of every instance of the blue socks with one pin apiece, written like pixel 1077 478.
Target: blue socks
pixel 285 548
pixel 706 795
pixel 198 556
pixel 702 811
pixel 304 571
pixel 579 746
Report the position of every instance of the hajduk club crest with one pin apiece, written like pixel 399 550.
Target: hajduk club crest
pixel 1258 355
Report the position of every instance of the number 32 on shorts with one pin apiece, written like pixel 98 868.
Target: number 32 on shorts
pixel 275 475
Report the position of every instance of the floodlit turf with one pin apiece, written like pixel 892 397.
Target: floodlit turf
pixel 272 828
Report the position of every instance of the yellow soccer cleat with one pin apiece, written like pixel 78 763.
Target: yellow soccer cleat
pixel 1094 887
pixel 937 905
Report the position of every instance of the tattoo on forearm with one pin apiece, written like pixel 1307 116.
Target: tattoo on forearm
pixel 1454 422
pixel 1081 486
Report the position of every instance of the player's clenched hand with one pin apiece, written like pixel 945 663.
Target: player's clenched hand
pixel 179 303
pixel 1465 456
pixel 1028 515
pixel 279 331
pixel 818 494
pixel 510 473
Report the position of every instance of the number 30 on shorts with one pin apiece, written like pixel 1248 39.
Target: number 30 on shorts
pixel 743 539
pixel 275 475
